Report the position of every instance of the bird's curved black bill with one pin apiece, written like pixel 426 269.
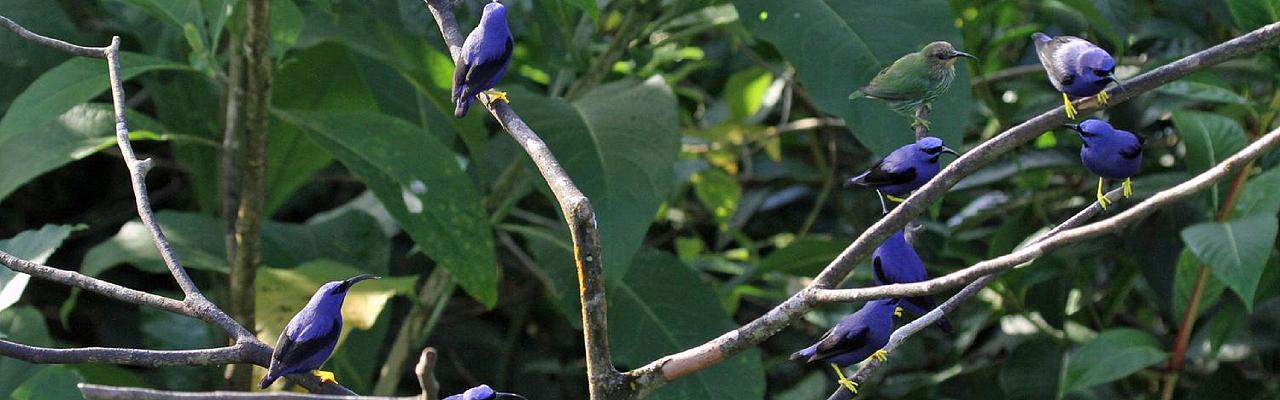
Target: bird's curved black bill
pixel 353 280
pixel 963 54
pixel 1074 127
pixel 948 150
pixel 501 395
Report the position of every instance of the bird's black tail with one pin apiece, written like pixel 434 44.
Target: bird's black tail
pixel 462 105
pixel 267 380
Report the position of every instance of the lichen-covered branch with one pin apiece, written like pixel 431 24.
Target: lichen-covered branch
pixel 604 382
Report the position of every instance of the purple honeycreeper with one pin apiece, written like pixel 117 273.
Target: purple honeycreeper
pixel 859 336
pixel 915 79
pixel 895 261
pixel 309 338
pixel 1075 67
pixel 903 170
pixel 483 60
pixel 1111 153
pixel 483 392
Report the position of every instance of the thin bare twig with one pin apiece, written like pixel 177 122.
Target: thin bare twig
pixel 604 382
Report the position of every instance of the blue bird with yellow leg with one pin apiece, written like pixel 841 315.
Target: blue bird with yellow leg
pixel 309 338
pixel 484 392
pixel 903 170
pixel 1111 153
pixel 859 336
pixel 483 60
pixel 1076 67
pixel 895 261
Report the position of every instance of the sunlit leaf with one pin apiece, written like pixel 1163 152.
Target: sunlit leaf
pixel 35 246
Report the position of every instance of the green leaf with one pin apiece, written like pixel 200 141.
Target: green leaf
pixel 292 156
pixel 80 132
pixel 718 191
pixel 418 179
pixel 1032 371
pixel 1253 14
pixel 1210 138
pixel 1114 354
pixel 24 61
pixel 586 5
pixel 1259 195
pixel 286 26
pixel 1202 92
pixel 1184 282
pixel 838 46
pixel 619 143
pixel 21 324
pixel 1236 251
pixel 34 246
pixel 803 257
pixel 744 92
pixel 57 382
pixel 1089 9
pixel 74 82
pixel 669 302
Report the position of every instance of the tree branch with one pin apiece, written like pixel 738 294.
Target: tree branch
pixel 247 348
pixel 658 372
pixel 253 179
pixel 604 382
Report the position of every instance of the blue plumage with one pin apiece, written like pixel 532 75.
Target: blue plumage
pixel 484 58
pixel 309 338
pixel 895 261
pixel 483 392
pixel 1075 67
pixel 905 169
pixel 857 336
pixel 1109 152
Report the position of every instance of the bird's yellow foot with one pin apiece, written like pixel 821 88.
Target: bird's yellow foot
pixel 844 381
pixel 1071 109
pixel 880 355
pixel 496 95
pixel 1102 197
pixel 894 199
pixel 897 312
pixel 1103 97
pixel 1128 187
pixel 324 376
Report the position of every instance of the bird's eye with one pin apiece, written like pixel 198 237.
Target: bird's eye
pixel 1087 134
pixel 940 55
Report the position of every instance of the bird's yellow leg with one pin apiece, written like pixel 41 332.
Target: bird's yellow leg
pixel 1103 97
pixel 1128 187
pixel 1102 197
pixel 497 95
pixel 897 312
pixel 1071 109
pixel 844 381
pixel 894 199
pixel 324 376
pixel 880 355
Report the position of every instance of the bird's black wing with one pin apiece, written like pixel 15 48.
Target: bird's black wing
pixel 290 352
pixel 1134 151
pixel 459 78
pixel 486 69
pixel 877 268
pixel 835 343
pixel 879 176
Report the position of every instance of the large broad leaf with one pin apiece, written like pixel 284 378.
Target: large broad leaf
pixel 74 82
pixel 1202 92
pixel 1259 194
pixel 24 61
pixel 1112 355
pixel 1236 251
pixel 838 46
pixel 1184 282
pixel 1210 138
pixel 292 156
pixel 1032 371
pixel 34 246
pixel 418 179
pixel 350 237
pixel 80 132
pixel 57 382
pixel 662 307
pixel 1253 14
pixel 618 143
pixel 22 324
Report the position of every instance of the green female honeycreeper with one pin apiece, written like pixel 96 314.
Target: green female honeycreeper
pixel 915 79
